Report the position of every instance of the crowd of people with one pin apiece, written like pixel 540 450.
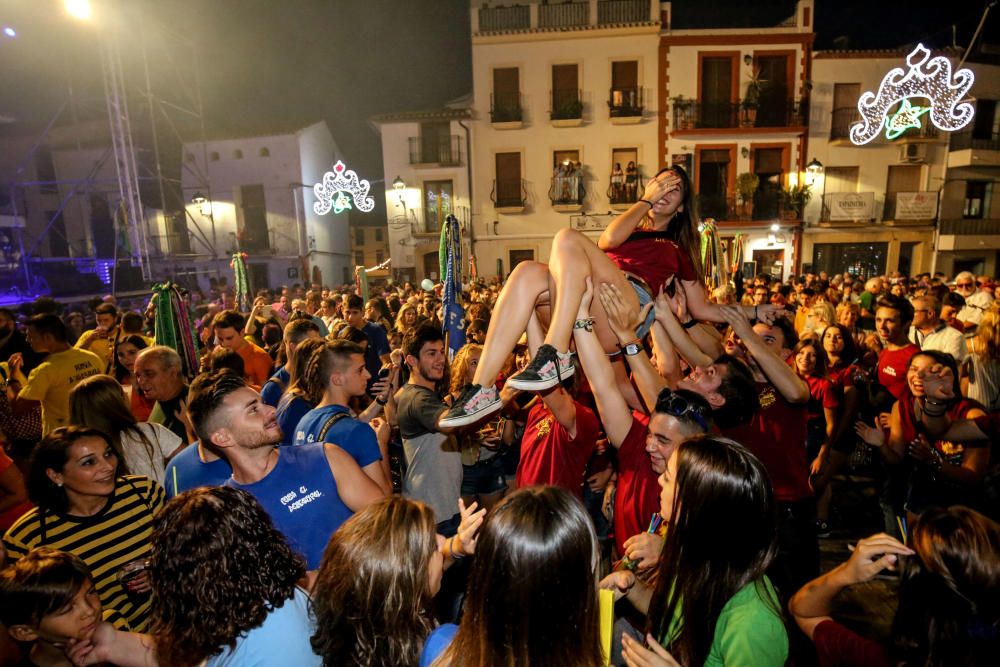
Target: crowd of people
pixel 339 485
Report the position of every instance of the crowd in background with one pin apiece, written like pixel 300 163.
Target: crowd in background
pixel 304 500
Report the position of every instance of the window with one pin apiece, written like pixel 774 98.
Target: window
pixel 379 256
pixel 46 170
pixel 714 182
pixel 359 236
pixel 566 102
pixel 769 165
pixel 626 99
pixel 518 256
pixel 837 180
pixel 776 95
pixel 861 260
pixel 359 258
pixel 438 203
pixel 435 143
pixel 379 235
pixel 213 156
pixel 508 190
pixel 506 102
pixel 902 178
pixel 252 218
pixel 717 89
pixel 977 199
pixel 626 183
pixel 845 109
pixel 237 154
pixel 567 178
pixel 264 151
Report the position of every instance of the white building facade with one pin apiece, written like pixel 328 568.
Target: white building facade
pixel 260 202
pixel 564 132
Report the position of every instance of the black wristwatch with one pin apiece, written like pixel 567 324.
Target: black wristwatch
pixel 632 349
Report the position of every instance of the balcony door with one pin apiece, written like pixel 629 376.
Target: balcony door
pixel 506 91
pixel 717 82
pixel 845 109
pixel 902 178
pixel 769 165
pixel 439 203
pixel 508 188
pixel 252 218
pixel 714 183
pixel 775 96
pixel 625 84
pixel 565 91
pixel 435 142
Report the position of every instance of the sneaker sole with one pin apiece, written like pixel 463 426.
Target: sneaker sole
pixel 528 385
pixel 471 418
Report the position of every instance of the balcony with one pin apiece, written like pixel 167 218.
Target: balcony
pixel 840 123
pixel 567 108
pixel 509 195
pixel 503 19
pixel 611 12
pixel 443 151
pixel 624 189
pixel 625 105
pixel 506 111
pixel 909 208
pixel 690 115
pixel 847 209
pixel 566 190
pixel 717 206
pixel 564 15
pixel 972 149
pixel 970 227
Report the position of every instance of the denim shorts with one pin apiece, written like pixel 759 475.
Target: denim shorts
pixel 483 478
pixel 645 295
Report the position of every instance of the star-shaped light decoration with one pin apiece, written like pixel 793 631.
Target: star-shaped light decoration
pixel 907 117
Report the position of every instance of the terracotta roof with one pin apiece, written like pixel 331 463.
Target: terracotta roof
pixel 435 114
pixel 901 51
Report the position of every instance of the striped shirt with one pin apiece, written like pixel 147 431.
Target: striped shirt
pixel 118 534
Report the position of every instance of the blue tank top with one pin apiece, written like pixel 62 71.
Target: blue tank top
pixel 301 497
pixel 290 410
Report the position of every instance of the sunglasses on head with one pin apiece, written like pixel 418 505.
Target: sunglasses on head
pixel 680 407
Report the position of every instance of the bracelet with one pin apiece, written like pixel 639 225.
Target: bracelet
pixel 451 547
pixel 649 203
pixel 755 318
pixel 381 401
pixel 612 355
pixel 690 324
pixel 586 324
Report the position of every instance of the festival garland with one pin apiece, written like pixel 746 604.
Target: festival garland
pixel 173 327
pixel 242 281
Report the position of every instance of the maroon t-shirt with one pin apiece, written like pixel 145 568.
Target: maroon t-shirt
pixel 837 646
pixel 638 495
pixel 550 456
pixel 953 452
pixel 777 436
pixel 822 394
pixel 843 376
pixel 892 366
pixel 653 257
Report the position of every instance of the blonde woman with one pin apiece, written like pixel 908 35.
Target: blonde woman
pixel 981 370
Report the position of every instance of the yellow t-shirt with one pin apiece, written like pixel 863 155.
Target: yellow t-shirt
pixel 101 346
pixel 51 381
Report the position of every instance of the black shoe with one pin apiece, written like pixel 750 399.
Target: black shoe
pixel 474 403
pixel 545 371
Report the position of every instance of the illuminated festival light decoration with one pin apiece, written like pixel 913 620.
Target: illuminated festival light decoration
pixel 927 77
pixel 339 188
pixel 907 117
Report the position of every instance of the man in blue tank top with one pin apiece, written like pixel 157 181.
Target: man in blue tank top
pixel 307 490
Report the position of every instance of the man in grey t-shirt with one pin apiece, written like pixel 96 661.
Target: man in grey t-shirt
pixel 433 462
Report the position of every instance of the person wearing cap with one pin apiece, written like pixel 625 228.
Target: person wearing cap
pixel 978 298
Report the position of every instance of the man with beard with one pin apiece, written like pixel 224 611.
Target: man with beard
pixel 308 490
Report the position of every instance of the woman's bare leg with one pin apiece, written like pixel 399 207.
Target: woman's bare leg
pixel 527 287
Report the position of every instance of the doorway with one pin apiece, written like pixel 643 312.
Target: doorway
pixel 770 261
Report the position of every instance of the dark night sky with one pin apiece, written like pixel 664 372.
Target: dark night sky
pixel 265 62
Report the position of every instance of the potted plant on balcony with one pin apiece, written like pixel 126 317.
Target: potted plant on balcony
pixel 569 110
pixel 746 186
pixel 794 200
pixel 683 112
pixel 751 100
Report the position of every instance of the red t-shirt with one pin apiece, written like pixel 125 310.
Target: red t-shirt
pixel 843 377
pixel 989 424
pixel 638 494
pixel 12 514
pixel 822 395
pixel 653 257
pixel 837 646
pixel 953 452
pixel 777 436
pixel 550 456
pixel 892 366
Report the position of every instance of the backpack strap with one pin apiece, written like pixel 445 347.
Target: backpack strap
pixel 333 419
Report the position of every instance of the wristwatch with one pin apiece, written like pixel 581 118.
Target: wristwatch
pixel 632 349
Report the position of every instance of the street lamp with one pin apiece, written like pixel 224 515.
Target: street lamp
pixel 398 185
pixel 813 171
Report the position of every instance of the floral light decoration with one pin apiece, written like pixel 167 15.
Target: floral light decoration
pixel 338 188
pixel 927 77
